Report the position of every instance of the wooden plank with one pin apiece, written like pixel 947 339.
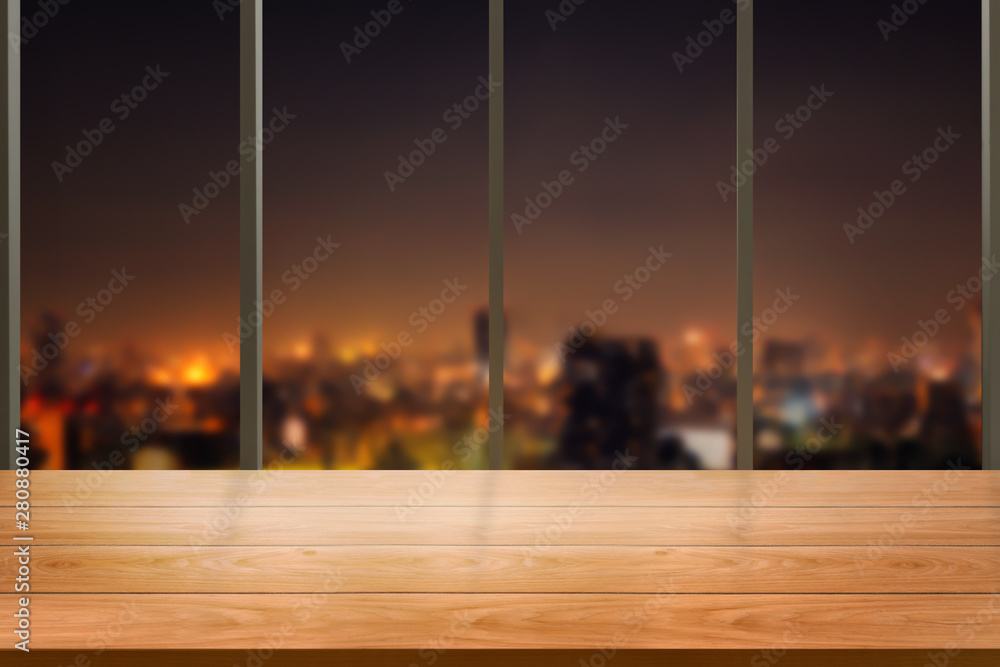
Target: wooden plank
pixel 729 580
pixel 535 527
pixel 430 569
pixel 865 488
pixel 512 621
pixel 521 658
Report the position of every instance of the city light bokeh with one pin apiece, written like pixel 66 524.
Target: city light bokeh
pixel 620 248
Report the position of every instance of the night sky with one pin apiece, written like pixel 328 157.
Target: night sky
pixel 325 174
pixel 119 208
pixel 890 98
pixel 654 185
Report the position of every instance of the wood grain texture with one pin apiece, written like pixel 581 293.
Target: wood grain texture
pixel 472 620
pixel 519 658
pixel 537 527
pixel 438 569
pixel 512 561
pixel 861 488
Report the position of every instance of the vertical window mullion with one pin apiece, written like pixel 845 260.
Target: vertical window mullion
pixel 251 235
pixel 496 307
pixel 744 242
pixel 10 242
pixel 991 239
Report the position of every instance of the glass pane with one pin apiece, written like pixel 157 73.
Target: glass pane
pixel 868 235
pixel 376 234
pixel 130 265
pixel 620 251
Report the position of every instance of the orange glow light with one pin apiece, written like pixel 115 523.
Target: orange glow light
pixel 198 374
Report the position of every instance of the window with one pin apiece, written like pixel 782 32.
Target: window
pixel 844 322
pixel 130 259
pixel 619 252
pixel 376 235
pixel 868 252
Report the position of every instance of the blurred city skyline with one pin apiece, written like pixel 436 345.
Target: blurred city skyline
pixel 607 74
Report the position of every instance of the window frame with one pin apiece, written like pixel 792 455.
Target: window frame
pixel 251 232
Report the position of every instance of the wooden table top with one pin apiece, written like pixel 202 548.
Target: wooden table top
pixel 429 561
